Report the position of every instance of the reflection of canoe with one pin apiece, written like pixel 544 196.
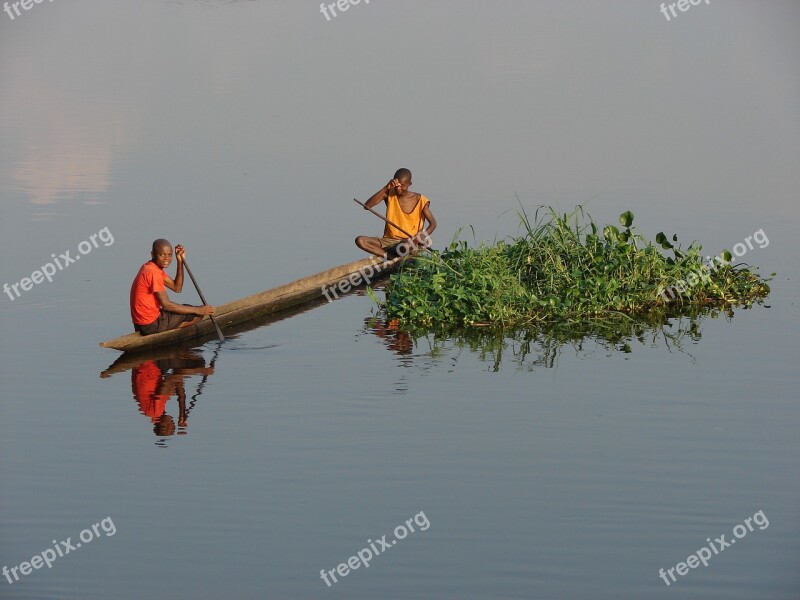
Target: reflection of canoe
pixel 347 276
pixel 131 360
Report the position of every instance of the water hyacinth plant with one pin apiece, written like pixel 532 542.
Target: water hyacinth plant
pixel 564 268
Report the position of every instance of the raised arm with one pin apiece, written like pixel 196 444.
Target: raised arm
pixel 176 285
pixel 381 195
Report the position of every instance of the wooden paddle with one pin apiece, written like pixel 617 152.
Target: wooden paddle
pixel 197 287
pixel 380 216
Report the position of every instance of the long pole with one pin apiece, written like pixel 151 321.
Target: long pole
pixel 197 287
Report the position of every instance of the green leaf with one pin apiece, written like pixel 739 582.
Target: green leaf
pixel 610 232
pixel 626 218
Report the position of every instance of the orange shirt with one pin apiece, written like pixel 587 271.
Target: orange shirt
pixel 412 222
pixel 145 307
pixel 146 379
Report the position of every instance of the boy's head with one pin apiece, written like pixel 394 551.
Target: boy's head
pixel 403 176
pixel 165 426
pixel 161 253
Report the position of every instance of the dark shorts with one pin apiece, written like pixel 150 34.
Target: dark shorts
pixel 165 321
pixel 387 242
pixel 393 246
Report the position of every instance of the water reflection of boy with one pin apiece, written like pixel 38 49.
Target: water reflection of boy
pixel 393 335
pixel 153 386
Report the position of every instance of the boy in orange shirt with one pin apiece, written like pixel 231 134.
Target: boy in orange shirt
pixel 406 209
pixel 151 309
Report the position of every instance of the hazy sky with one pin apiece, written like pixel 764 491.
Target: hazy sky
pixel 265 112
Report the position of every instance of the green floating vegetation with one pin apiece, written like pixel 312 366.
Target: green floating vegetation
pixel 565 269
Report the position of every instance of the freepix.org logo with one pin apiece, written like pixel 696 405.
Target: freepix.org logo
pixel 24 4
pixel 682 5
pixel 64 547
pixel 330 9
pixel 64 260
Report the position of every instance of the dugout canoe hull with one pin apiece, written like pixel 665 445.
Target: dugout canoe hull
pixel 269 301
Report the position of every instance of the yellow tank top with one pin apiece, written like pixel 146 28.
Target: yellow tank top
pixel 412 222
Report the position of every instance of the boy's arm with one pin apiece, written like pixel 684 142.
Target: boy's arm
pixel 176 285
pixel 381 195
pixel 426 212
pixel 182 309
pixel 423 237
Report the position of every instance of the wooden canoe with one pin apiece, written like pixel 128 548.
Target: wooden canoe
pixel 328 284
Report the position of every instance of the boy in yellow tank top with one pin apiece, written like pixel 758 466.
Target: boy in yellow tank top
pixel 408 210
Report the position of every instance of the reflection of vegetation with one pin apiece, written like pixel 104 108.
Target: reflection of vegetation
pixel 540 345
pixel 567 276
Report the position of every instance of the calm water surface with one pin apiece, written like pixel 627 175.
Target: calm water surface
pixel 243 130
